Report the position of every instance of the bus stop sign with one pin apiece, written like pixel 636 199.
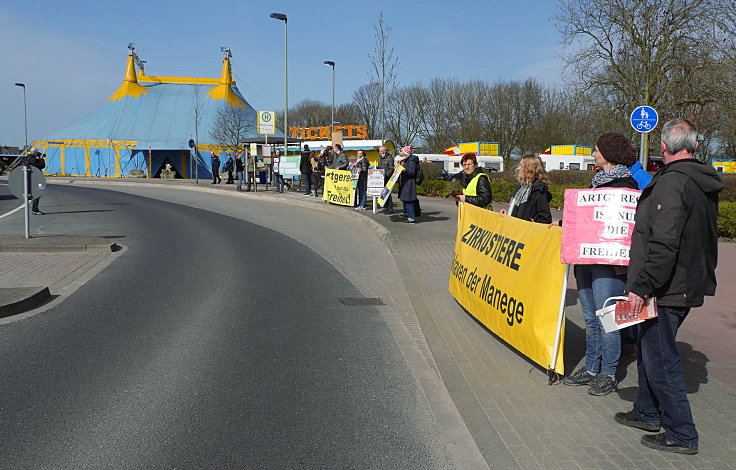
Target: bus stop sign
pixel 644 119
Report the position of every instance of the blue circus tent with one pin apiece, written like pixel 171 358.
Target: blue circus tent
pixel 147 123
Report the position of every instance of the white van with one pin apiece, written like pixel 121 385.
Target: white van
pixel 567 162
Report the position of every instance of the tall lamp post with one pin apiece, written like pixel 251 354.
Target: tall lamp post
pixel 25 111
pixel 332 122
pixel 282 17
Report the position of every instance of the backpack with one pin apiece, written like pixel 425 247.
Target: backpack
pixel 419 177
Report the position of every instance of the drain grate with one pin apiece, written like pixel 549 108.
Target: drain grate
pixel 362 301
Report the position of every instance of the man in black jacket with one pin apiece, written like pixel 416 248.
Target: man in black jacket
pixel 34 158
pixel 305 168
pixel 674 250
pixel 386 163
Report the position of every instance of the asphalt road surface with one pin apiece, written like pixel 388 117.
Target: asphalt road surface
pixel 211 342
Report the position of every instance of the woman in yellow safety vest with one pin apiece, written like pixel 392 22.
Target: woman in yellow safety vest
pixel 476 183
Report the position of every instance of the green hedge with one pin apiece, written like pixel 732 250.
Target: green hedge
pixel 727 219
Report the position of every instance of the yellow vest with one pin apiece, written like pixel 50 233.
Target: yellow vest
pixel 472 188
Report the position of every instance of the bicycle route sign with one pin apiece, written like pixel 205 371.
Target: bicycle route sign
pixel 644 119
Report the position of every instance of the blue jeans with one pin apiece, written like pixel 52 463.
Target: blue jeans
pixel 240 179
pixel 661 383
pixel 362 192
pixel 596 283
pixel 409 209
pixel 279 182
pixel 307 183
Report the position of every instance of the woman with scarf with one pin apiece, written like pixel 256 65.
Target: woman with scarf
pixel 597 282
pixel 531 197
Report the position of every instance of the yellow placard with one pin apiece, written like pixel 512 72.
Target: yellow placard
pixel 339 187
pixel 507 273
pixel 386 191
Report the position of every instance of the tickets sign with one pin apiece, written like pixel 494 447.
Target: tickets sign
pixel 597 225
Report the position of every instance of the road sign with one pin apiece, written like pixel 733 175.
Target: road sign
pixel 266 122
pixel 644 119
pixel 36 183
pixel 191 143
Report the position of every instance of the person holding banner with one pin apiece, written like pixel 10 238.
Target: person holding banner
pixel 531 197
pixel 476 184
pixel 598 282
pixel 408 183
pixel 386 163
pixel 340 161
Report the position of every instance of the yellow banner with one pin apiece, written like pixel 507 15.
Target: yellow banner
pixel 339 187
pixel 507 273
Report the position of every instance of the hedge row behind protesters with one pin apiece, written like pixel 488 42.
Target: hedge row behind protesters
pixel 476 184
pixel 598 282
pixel 531 197
pixel 673 257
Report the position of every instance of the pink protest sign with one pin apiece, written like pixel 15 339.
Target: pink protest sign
pixel 597 225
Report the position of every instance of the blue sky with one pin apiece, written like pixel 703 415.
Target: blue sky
pixel 73 58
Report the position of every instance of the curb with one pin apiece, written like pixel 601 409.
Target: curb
pixel 22 299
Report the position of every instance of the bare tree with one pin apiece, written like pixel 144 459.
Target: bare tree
pixel 642 52
pixel 384 66
pixel 405 107
pixel 367 100
pixel 232 124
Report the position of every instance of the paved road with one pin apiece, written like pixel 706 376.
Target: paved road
pixel 211 343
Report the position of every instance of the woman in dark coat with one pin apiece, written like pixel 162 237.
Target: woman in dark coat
pixel 408 183
pixel 531 197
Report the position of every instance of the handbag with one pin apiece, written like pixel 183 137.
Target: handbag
pixel 618 315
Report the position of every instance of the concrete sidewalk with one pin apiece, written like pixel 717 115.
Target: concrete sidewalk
pixel 515 418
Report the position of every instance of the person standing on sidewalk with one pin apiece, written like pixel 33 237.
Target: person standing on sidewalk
pixel 408 183
pixel 476 184
pixel 215 163
pixel 305 168
pixel 228 168
pixel 361 167
pixel 531 197
pixel 239 170
pixel 674 252
pixel 386 163
pixel 598 282
pixel 35 159
pixel 340 161
pixel 277 177
pixel 319 163
pixel 250 168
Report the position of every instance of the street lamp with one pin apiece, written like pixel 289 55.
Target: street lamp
pixel 282 17
pixel 25 110
pixel 332 121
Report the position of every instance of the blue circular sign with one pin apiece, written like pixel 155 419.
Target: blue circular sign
pixel 191 143
pixel 644 119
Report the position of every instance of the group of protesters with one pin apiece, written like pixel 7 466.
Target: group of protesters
pixel 673 259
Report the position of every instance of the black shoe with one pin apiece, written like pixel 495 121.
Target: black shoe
pixel 628 419
pixel 403 216
pixel 603 384
pixel 38 213
pixel 662 442
pixel 581 377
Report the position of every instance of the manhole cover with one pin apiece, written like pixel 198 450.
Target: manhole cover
pixel 361 301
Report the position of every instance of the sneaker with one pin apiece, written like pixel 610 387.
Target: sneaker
pixel 403 216
pixel 359 208
pixel 628 419
pixel 603 384
pixel 581 377
pixel 307 194
pixel 662 442
pixel 38 213
pixel 409 220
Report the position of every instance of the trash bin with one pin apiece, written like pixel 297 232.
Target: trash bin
pixel 262 177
